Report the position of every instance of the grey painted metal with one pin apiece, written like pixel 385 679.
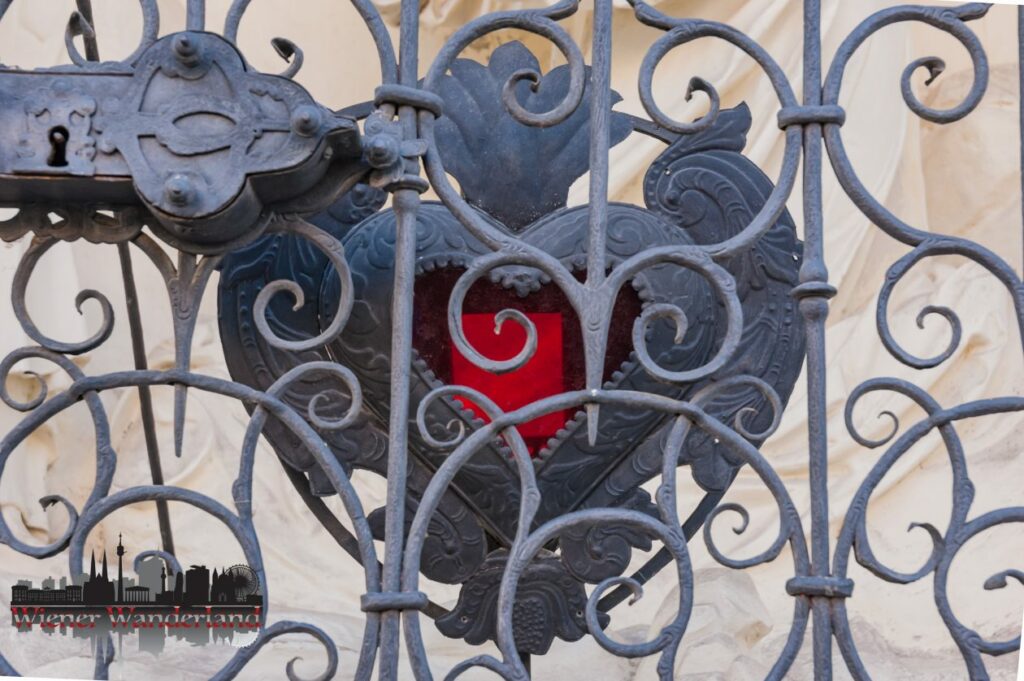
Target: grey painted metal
pixel 813 294
pixel 473 528
pixel 330 373
pixel 141 361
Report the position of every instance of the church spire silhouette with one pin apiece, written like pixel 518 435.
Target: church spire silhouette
pixel 92 568
pixel 105 578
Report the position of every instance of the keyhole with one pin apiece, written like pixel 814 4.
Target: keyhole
pixel 58 147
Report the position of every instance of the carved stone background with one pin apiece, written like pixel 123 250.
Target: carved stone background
pixel 961 179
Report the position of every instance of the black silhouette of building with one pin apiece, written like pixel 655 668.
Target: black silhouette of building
pixel 194 587
pixel 136 594
pixel 223 589
pixel 197 585
pixel 98 589
pixel 231 593
pixel 24 594
pixel 179 588
pixel 19 593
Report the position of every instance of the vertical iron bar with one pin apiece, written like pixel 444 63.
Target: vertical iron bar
pixel 92 49
pixel 131 297
pixel 597 210
pixel 600 136
pixel 813 293
pixel 406 205
pixel 196 17
pixel 1020 103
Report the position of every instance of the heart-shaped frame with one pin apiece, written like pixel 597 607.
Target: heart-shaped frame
pixel 700 190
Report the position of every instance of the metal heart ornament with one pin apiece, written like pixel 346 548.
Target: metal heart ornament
pixel 700 190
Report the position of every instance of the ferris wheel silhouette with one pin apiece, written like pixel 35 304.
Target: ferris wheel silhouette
pixel 244 579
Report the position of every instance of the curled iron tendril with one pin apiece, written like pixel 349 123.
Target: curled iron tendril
pixel 945 547
pixel 337 371
pixel 105 456
pixel 876 385
pixel 950 20
pixel 335 254
pixel 291 53
pixel 477 270
pixel 1000 579
pixel 286 49
pixel 930 248
pixel 971 643
pixel 540 22
pixel 680 31
pixel 485 403
pixel 79 26
pixel 709 392
pixel 19 290
pixel 885 333
pixel 963 491
pixel 280 629
pixel 528 543
pixel 647 68
pixel 766 556
pixel 695 259
pixel 665 641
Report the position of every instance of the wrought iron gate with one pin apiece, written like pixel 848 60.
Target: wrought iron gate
pixel 182 142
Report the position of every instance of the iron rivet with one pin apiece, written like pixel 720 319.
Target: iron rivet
pixel 306 121
pixel 382 151
pixel 186 50
pixel 179 190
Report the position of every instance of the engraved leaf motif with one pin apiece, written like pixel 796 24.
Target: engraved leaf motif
pixel 512 171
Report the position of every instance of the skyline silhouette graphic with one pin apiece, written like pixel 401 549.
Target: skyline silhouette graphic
pixel 194 604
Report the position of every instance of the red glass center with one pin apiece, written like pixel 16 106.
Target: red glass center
pixel 556 366
pixel 541 376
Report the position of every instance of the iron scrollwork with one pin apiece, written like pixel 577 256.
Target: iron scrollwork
pixel 682 324
pixel 536 166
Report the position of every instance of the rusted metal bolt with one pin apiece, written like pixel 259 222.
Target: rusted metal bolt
pixel 179 190
pixel 186 50
pixel 382 151
pixel 306 120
